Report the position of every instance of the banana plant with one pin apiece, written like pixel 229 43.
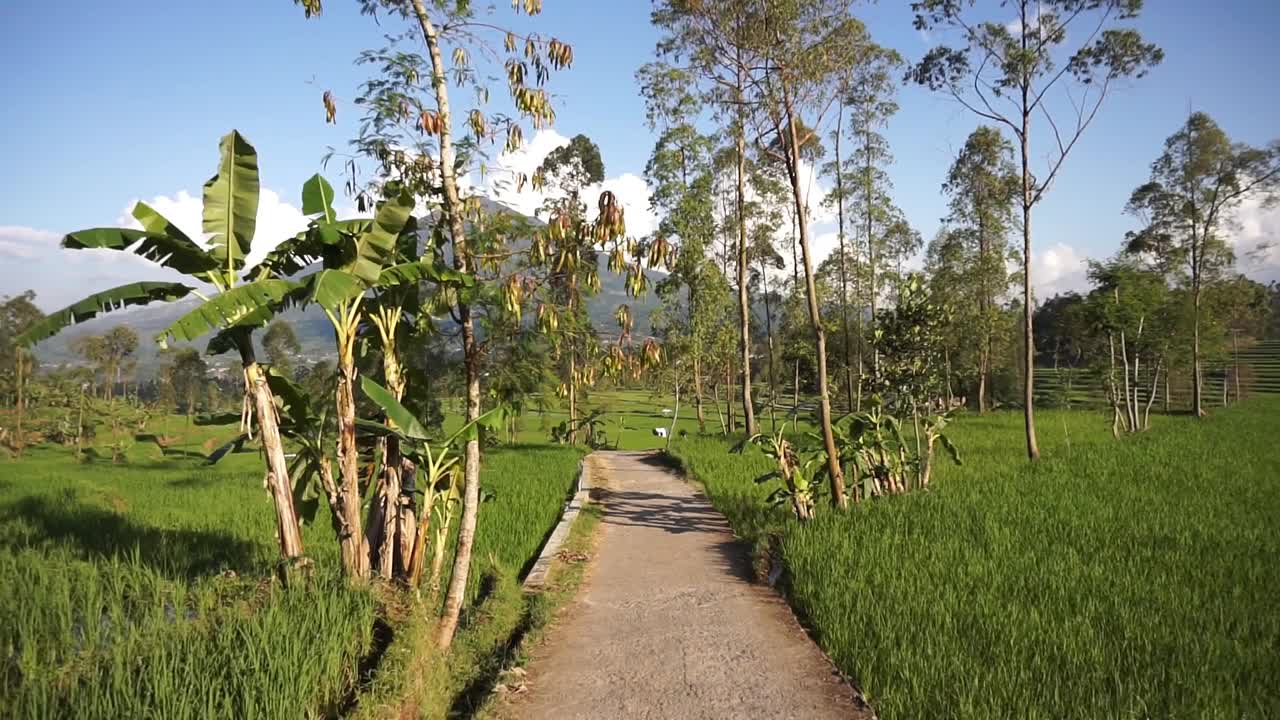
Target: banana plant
pixel 232 309
pixel 442 487
pixel 935 432
pixel 369 275
pixel 798 470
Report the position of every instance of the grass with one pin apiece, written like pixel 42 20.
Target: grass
pixel 143 589
pixel 1112 579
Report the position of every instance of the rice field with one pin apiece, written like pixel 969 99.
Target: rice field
pixel 1113 579
pixel 143 589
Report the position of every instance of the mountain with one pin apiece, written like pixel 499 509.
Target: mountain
pixel 314 332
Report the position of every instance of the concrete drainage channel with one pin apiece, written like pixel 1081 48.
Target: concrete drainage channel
pixel 537 576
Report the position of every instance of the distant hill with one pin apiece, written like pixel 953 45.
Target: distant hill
pixel 314 332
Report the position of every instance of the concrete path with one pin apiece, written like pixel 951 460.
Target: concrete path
pixel 667 624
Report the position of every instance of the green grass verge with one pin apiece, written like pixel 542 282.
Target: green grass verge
pixel 494 637
pixel 1112 579
pixel 143 589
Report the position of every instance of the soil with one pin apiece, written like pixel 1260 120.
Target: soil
pixel 668 623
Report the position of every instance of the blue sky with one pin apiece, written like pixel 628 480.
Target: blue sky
pixel 107 103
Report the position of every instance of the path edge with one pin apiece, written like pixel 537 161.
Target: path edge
pixel 537 577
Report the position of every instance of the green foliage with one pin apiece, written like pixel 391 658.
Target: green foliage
pixel 281 344
pixel 231 203
pixel 129 294
pixel 909 338
pixel 155 581
pixel 1086 585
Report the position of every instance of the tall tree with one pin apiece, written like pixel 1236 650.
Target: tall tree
pixel 17 313
pixel 712 38
pixel 983 188
pixel 803 47
pixel 566 172
pixel 868 96
pixel 410 106
pixel 1004 72
pixel 189 374
pixel 1187 205
pixel 282 346
pixel 679 172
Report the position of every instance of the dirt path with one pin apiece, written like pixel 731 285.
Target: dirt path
pixel 667 625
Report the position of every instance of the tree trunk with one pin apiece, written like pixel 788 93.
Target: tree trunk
pixel 1235 372
pixel 744 299
pixel 1166 392
pixel 675 416
pixel 1197 379
pixel 697 393
pixel 573 395
pixel 715 401
pixel 815 319
pixel 844 272
pixel 453 212
pixel 768 328
pixel 728 397
pixel 277 480
pixel 1151 396
pixel 1028 336
pixel 19 438
pixel 795 391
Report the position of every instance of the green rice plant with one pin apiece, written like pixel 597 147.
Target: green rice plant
pixel 1108 580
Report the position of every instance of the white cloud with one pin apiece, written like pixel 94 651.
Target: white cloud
pixel 499 183
pixel 23 243
pixel 33 259
pixel 277 220
pixel 1257 240
pixel 1058 269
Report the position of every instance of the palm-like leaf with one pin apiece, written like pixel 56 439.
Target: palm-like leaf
pixel 331 288
pixel 248 305
pixel 397 413
pixel 139 293
pixel 317 198
pixel 231 202
pixel 376 246
pixel 176 252
pixel 421 270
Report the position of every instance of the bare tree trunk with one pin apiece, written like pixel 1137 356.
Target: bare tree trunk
pixel 1197 379
pixel 675 416
pixel 728 397
pixel 697 392
pixel 946 356
pixel 1166 392
pixel 1235 372
pixel 744 300
pixel 1112 392
pixel 573 395
pixel 869 181
pixel 277 480
pixel 795 390
pixel 815 319
pixel 19 438
pixel 982 381
pixel 844 272
pixel 715 400
pixel 1128 404
pixel 768 328
pixel 1028 336
pixel 1151 397
pixel 453 212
